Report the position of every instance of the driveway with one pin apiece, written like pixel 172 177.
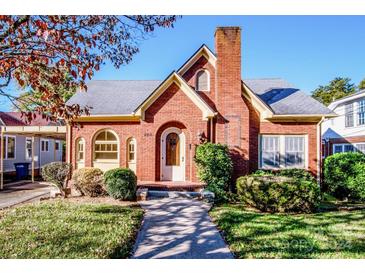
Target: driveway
pixel 177 228
pixel 17 193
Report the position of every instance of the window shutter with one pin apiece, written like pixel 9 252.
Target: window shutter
pixel 202 81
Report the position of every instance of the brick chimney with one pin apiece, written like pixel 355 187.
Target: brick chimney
pixel 228 85
pixel 228 50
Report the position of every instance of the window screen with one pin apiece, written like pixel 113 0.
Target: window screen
pixel 270 152
pixel 349 115
pixel 294 151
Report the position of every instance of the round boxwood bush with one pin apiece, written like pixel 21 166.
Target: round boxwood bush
pixel 89 181
pixel 356 184
pixel 342 174
pixel 121 183
pixel 214 168
pixel 56 173
pixel 273 192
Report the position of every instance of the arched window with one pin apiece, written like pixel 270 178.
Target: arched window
pixel 202 80
pixel 132 154
pixel 80 152
pixel 80 146
pixel 106 146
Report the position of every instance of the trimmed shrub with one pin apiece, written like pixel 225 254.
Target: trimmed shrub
pixel 296 173
pixel 89 181
pixel 121 183
pixel 56 173
pixel 273 192
pixel 214 168
pixel 340 174
pixel 356 184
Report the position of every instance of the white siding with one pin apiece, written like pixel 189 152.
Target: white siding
pixel 41 158
pixel 335 127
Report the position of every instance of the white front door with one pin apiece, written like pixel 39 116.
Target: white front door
pixel 173 155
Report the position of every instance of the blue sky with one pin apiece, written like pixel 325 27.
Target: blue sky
pixel 305 50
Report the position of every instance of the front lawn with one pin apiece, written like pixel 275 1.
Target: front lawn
pixel 64 229
pixel 339 234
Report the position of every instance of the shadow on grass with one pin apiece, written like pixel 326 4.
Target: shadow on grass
pixel 320 235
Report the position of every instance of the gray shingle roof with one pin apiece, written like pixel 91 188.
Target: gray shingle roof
pixel 114 97
pixel 124 96
pixel 283 98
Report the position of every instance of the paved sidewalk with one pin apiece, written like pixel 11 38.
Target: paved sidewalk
pixel 178 228
pixel 14 194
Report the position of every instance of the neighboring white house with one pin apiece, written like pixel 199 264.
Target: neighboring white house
pixel 17 148
pixel 346 132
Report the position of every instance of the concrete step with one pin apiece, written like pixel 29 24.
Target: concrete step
pixel 203 195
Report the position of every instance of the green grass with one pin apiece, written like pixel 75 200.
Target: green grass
pixel 339 234
pixel 67 230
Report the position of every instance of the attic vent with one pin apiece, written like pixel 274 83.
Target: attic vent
pixel 202 80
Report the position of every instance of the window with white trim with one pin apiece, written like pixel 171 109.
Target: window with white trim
pixel 106 146
pixel 337 148
pixel 349 115
pixel 44 145
pixel 28 148
pixel 283 151
pixel 270 152
pixel 80 145
pixel 346 147
pixel 294 151
pixel 8 146
pixel 57 145
pixel 202 80
pixel 360 147
pixel 361 113
pixel 131 150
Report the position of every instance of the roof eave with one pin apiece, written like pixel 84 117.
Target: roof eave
pixel 204 50
pixel 301 117
pixel 109 117
pixel 175 78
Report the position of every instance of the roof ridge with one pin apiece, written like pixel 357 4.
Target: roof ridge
pixel 121 80
pixel 264 78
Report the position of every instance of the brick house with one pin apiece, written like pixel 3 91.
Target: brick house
pixel 153 127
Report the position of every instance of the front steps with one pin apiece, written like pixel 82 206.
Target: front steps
pixel 146 194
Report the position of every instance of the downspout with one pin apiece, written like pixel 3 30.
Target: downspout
pixel 2 158
pixel 210 129
pixel 319 149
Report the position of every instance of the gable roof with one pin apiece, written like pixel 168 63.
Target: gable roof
pixel 184 86
pixel 347 98
pixel 205 51
pixel 128 98
pixel 283 99
pixel 131 97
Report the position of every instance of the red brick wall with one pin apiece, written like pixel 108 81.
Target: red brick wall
pixel 189 76
pixel 174 108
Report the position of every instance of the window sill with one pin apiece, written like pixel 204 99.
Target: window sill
pixel 106 161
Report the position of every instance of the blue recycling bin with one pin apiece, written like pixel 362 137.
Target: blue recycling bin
pixel 22 170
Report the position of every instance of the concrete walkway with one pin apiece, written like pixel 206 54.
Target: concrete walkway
pixel 17 193
pixel 178 228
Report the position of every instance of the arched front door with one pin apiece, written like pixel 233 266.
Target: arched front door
pixel 173 155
